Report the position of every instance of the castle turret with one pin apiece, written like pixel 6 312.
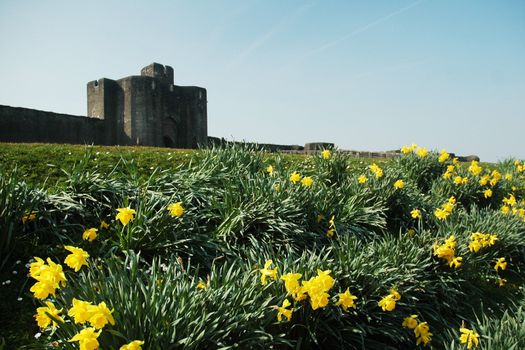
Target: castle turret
pixel 157 70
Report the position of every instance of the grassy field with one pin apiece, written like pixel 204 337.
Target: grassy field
pixel 237 248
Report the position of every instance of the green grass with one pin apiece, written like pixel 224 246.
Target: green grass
pixel 43 163
pixel 236 217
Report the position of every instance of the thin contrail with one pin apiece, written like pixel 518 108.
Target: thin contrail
pixel 266 36
pixel 361 29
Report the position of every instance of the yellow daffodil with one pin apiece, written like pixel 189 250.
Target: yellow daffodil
pixel 422 152
pixel 326 154
pixel 447 252
pixel 317 288
pixel 487 193
pixel 469 337
pixel 269 170
pixel 331 222
pixel 77 258
pixel 90 234
pixel 29 217
pixel 284 311
pixel 43 315
pixel 134 345
pixel 406 149
pixel 202 285
pixel 441 214
pixel 104 225
pixel 376 170
pixel 410 322
pixel 346 300
pixel 415 213
pixel 307 181
pixel 266 272
pixel 500 264
pixel 474 168
pixel 511 201
pixel 399 184
pixel 81 311
pixel 484 180
pixel 100 315
pixel 319 300
pixel 42 289
pixel 388 303
pixel 362 179
pixel 422 332
pixel 501 281
pixel 456 262
pixel 87 339
pixel 176 209
pixel 443 156
pixel 35 268
pixel 49 278
pixel 295 177
pixel 291 282
pixel 125 215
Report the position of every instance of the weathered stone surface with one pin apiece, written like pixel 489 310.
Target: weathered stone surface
pixel 468 158
pixel 146 110
pixel 313 147
pixel 29 125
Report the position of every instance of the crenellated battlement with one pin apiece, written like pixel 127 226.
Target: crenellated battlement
pixel 159 71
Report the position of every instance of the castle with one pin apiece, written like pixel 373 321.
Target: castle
pixel 145 110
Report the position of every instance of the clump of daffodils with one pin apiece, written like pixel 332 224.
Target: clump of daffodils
pixel 446 209
pixel 447 251
pixel 450 170
pixel 480 240
pixel 474 168
pixel 443 156
pixel 421 329
pixel 97 315
pixel 317 289
pixel 376 170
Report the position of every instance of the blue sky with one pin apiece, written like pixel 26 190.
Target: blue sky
pixel 365 75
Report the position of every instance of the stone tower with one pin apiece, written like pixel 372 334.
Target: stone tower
pixel 148 110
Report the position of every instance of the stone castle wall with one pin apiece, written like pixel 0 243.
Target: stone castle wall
pixel 143 110
pixel 30 125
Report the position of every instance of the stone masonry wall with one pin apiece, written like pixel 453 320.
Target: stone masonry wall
pixel 30 125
